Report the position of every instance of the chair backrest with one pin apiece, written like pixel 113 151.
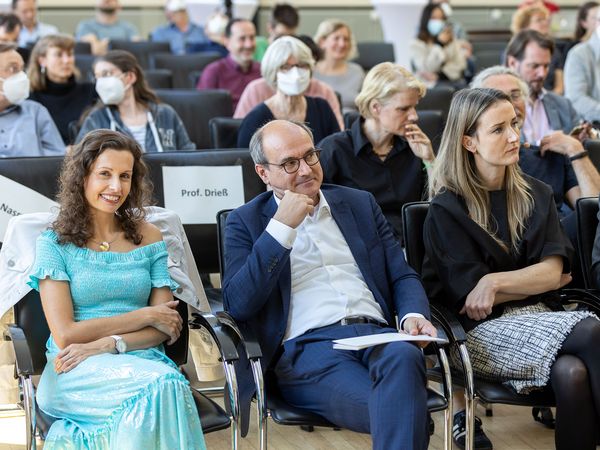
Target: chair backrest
pixel 413 218
pixel 437 99
pixel 587 224
pixel 593 148
pixel 159 78
pixel 203 237
pixel 29 316
pixel 432 124
pixel 372 53
pixel 82 48
pixel 84 63
pixel 141 49
pixel 487 58
pixel 40 174
pixel 196 108
pixel 182 65
pixel 224 132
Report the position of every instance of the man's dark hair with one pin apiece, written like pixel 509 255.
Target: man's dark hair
pixel 7 47
pixel 9 22
pixel 230 25
pixel 285 14
pixel 517 45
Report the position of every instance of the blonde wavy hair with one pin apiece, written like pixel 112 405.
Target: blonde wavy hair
pixel 383 82
pixel 521 19
pixel 455 168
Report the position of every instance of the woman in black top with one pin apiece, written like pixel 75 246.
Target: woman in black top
pixel 287 67
pixel 494 252
pixel 384 151
pixel 53 77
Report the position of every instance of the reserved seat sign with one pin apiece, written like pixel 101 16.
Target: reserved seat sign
pixel 16 199
pixel 198 193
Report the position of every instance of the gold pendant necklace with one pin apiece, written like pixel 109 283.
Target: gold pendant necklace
pixel 104 246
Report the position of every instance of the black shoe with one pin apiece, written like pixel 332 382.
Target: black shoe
pixel 459 433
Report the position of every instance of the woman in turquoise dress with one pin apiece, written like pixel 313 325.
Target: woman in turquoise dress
pixel 101 271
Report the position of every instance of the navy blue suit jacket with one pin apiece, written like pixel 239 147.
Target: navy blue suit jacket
pixel 257 279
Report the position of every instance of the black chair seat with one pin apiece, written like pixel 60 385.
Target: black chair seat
pixel 212 416
pixel 435 402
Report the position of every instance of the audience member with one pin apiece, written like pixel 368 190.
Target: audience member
pixel 284 21
pixel 457 28
pixel 105 27
pixel 509 255
pixel 559 160
pixel 32 29
pixel 582 77
pixel 25 126
pixel 181 33
pixel 436 54
pixel 537 18
pixel 128 105
pixel 54 82
pixel 321 285
pixel 101 271
pixel 237 69
pixel 287 68
pixel 586 21
pixel 10 27
pixel 335 39
pixel 385 150
pixel 529 54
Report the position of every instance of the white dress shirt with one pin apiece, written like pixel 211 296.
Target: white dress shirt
pixel 327 284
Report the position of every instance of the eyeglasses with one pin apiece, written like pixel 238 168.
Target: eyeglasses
pixel 288 67
pixel 293 164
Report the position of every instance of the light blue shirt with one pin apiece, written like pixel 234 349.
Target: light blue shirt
pixel 121 29
pixel 179 39
pixel 40 30
pixel 28 130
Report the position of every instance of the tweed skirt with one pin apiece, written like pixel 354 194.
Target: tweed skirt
pixel 519 347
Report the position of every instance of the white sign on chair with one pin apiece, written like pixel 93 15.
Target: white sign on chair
pixel 198 193
pixel 16 199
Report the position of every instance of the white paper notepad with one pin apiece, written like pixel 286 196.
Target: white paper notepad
pixel 360 342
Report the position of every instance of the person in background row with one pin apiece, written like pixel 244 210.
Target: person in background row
pixel 10 27
pixel 55 82
pixel 338 46
pixel 181 33
pixel 436 54
pixel 284 21
pixel 237 69
pixel 537 18
pixel 384 152
pixel 495 255
pixel 287 68
pixel 33 29
pixel 105 27
pixel 26 128
pixel 128 105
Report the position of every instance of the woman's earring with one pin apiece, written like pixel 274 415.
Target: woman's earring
pixel 43 70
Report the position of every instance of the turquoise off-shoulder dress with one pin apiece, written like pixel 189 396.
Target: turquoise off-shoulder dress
pixel 136 400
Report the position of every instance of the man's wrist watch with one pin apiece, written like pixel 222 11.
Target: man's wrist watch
pixel 120 344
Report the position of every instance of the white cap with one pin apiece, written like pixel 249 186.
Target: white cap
pixel 176 5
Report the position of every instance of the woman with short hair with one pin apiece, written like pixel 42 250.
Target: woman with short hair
pixel 338 45
pixel 287 67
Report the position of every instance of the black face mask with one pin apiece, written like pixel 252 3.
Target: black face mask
pixel 109 11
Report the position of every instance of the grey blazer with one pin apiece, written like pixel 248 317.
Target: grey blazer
pixel 582 78
pixel 560 112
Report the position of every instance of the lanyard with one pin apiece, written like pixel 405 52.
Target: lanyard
pixel 153 129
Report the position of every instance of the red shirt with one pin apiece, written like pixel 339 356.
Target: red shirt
pixel 227 74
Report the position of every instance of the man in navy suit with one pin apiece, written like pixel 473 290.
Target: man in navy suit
pixel 306 264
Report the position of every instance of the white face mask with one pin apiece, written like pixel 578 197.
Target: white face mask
pixel 435 26
pixel 446 8
pixel 111 90
pixel 293 82
pixel 16 88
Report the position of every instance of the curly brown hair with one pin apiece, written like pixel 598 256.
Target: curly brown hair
pixel 74 221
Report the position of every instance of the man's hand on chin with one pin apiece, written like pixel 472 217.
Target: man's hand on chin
pixel 293 208
pixel 418 325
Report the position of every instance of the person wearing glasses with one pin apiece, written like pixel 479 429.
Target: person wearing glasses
pixel 384 151
pixel 307 263
pixel 287 67
pixel 127 104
